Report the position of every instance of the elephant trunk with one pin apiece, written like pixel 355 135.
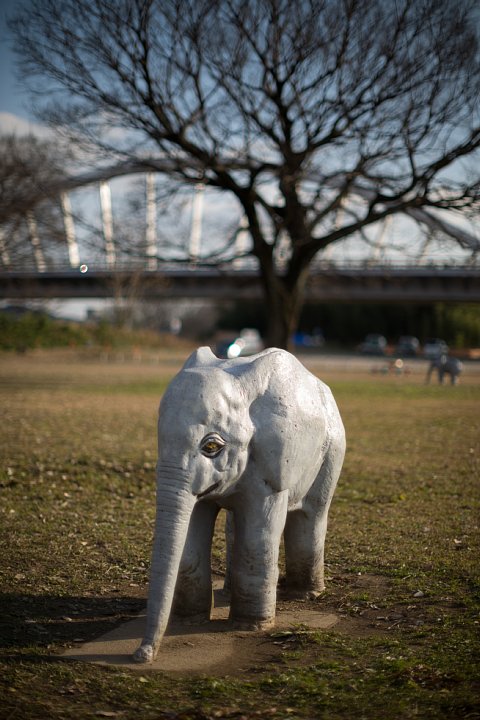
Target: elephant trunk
pixel 175 503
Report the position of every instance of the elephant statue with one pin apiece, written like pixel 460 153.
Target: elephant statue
pixel 445 365
pixel 262 437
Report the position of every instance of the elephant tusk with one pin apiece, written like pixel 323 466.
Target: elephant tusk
pixel 208 490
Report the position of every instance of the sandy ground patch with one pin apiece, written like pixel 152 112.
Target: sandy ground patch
pixel 209 648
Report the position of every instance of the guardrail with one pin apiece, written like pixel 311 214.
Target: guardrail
pixel 250 264
pixel 326 283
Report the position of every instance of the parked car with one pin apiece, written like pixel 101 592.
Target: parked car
pixel 315 339
pixel 374 344
pixel 434 347
pixel 248 342
pixel 407 346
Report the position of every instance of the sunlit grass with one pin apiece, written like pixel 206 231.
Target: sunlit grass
pixel 77 486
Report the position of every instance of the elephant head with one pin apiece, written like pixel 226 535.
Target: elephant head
pixel 223 425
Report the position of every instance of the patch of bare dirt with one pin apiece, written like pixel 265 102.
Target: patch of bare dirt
pixel 365 607
pixel 216 648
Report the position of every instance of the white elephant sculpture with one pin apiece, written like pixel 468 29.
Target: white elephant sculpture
pixel 445 365
pixel 262 437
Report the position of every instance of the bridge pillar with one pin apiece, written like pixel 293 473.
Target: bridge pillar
pixel 73 254
pixel 4 254
pixel 196 226
pixel 242 243
pixel 151 229
pixel 107 222
pixel 35 241
pixel 380 241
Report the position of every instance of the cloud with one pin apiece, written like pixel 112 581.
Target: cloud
pixel 10 123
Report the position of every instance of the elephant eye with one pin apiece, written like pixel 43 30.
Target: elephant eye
pixel 212 445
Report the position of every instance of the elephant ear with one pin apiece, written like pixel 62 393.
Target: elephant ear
pixel 288 414
pixel 201 357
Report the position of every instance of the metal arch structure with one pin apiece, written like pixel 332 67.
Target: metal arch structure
pixel 76 258
pixel 375 277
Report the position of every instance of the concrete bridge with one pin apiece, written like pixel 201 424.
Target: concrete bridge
pixel 34 265
pixel 327 283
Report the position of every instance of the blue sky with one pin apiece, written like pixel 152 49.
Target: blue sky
pixel 11 98
pixel 15 113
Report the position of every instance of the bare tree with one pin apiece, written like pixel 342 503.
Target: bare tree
pixel 321 117
pixel 29 167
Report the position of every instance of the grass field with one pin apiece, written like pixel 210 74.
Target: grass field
pixel 77 448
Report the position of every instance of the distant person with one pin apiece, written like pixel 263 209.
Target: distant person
pixel 445 365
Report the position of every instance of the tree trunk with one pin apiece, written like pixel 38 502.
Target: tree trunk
pixel 283 292
pixel 284 298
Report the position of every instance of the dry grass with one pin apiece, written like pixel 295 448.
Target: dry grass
pixel 76 486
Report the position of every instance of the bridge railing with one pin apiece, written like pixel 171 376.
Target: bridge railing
pixel 41 248
pixel 251 265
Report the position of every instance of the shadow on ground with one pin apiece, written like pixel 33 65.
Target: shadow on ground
pixel 43 620
pixel 107 631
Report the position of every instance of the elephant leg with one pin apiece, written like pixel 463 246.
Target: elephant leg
pixel 305 532
pixel 306 528
pixel 193 591
pixel 229 535
pixel 259 523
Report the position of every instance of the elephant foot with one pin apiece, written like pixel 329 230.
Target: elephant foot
pixel 301 588
pixel 252 624
pixel 194 619
pixel 297 594
pixel 144 654
pixel 300 591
